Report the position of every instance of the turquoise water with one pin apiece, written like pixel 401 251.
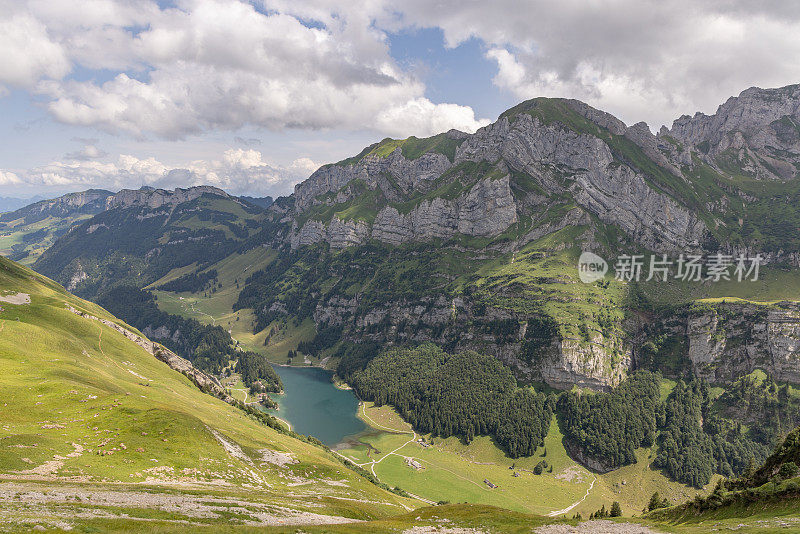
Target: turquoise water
pixel 315 407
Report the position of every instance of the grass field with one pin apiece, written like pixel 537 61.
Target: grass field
pixel 455 472
pixel 85 409
pixel 217 308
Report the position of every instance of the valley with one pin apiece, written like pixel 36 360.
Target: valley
pixel 410 328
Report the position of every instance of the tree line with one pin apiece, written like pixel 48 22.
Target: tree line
pixel 464 394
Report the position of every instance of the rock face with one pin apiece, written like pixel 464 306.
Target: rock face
pixel 487 209
pixel 731 340
pixel 406 173
pixel 475 201
pixel 338 233
pixel 757 132
pixel 157 198
pixel 599 363
pixel 617 194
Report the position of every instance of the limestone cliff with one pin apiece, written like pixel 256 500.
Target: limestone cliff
pixel 416 197
pixel 756 133
pixel 733 339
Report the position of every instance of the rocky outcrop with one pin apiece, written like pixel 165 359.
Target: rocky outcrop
pixel 758 132
pixel 157 198
pixel 621 197
pixel 750 112
pixel 599 363
pixel 337 233
pixel 616 193
pixel 596 364
pixel 595 464
pixel 487 209
pixel 733 339
pixel 408 174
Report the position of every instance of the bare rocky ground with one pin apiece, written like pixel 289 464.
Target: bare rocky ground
pixel 596 527
pixel 27 504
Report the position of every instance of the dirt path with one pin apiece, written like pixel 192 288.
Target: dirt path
pixel 555 513
pixel 374 462
pixel 432 464
pixel 373 423
pixel 245 395
pixel 100 348
pixel 213 320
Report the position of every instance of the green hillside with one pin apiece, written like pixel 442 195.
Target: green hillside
pixel 763 500
pixel 27 232
pixel 97 432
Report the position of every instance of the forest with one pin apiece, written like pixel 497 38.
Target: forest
pixel 192 282
pixel 467 394
pixel 464 394
pixel 608 427
pixel 695 442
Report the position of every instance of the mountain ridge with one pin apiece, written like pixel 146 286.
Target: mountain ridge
pixel 664 196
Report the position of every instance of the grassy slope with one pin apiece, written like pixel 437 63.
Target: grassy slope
pixel 72 387
pixel 768 517
pixel 217 307
pixel 15 232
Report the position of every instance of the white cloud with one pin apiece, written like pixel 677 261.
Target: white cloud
pixel 88 152
pixel 641 60
pixel 421 115
pixel 9 178
pixel 237 171
pixel 28 54
pixel 223 65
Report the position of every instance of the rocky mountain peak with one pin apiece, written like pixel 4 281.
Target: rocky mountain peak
pixel 156 198
pixel 755 132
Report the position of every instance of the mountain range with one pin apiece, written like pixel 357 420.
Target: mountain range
pixel 472 243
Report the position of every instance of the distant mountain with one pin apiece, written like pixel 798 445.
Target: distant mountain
pixel 263 202
pixel 143 234
pixel 28 231
pixel 90 201
pixel 11 203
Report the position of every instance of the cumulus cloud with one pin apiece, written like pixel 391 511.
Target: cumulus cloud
pixel 9 178
pixel 222 64
pixel 649 60
pixel 87 152
pixel 194 66
pixel 28 52
pixel 237 171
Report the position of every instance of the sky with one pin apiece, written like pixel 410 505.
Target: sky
pixel 253 96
